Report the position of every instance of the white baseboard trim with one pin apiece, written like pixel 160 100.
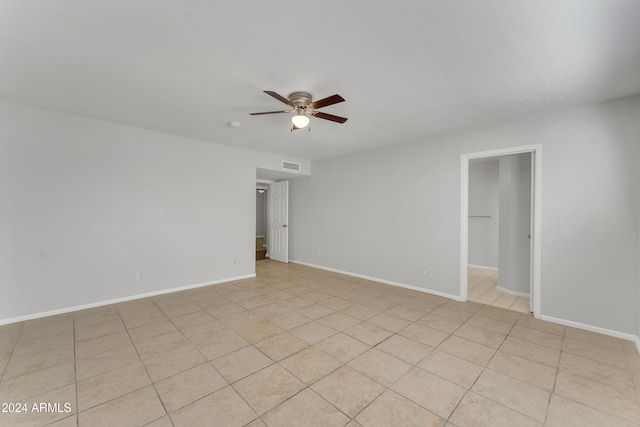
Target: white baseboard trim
pixel 482 266
pixel 119 300
pixel 595 329
pixel 386 282
pixel 514 293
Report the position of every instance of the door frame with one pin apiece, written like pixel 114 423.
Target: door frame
pixel 536 217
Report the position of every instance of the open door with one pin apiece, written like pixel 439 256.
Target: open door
pixel 279 221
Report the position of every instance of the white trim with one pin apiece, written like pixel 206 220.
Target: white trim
pixel 595 329
pixel 536 268
pixel 119 300
pixel 510 292
pixel 482 266
pixel 375 279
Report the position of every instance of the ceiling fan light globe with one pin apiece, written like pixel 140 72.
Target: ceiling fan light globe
pixel 300 121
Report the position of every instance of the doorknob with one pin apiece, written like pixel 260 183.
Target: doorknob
pixel 284 225
pixel 529 236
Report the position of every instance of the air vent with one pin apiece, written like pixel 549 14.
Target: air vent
pixel 291 166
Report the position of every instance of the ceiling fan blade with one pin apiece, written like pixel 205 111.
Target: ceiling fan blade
pixel 330 100
pixel 270 112
pixel 331 117
pixel 279 97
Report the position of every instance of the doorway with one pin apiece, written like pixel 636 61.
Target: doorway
pixel 515 243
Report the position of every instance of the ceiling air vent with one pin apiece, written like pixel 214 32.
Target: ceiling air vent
pixel 291 166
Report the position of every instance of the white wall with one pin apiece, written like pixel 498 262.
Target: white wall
pixel 409 219
pixel 484 199
pixel 85 204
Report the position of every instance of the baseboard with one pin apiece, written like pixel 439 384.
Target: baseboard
pixel 514 293
pixel 119 300
pixel 482 266
pixel 376 279
pixel 596 329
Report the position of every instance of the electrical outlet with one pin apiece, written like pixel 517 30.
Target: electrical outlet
pixel 319 253
pixel 138 275
pixel 425 272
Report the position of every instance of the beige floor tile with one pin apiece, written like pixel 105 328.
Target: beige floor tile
pixel 98 329
pixel 392 409
pixel 106 361
pixel 289 320
pixel 24 386
pixel 69 421
pixel 240 320
pixel 533 373
pixel 595 352
pixel 313 332
pixel 430 391
pixel 101 388
pixel 360 312
pixel 270 310
pixel 310 365
pixel 339 321
pixel 514 394
pixel 404 348
pixel 161 344
pixel 218 345
pixel 389 322
pixel 282 345
pixel 294 303
pixel 480 335
pixel 315 311
pixel 499 314
pixel 598 396
pixel 204 330
pixel 534 352
pixel 192 319
pixel 259 331
pixel 494 325
pixel 181 310
pixel 336 303
pixel 532 323
pixel 171 362
pixel 102 344
pixel 450 367
pixel 40 344
pixel 225 310
pixel 241 363
pixel 59 404
pixel 409 313
pixel 537 337
pixel 452 313
pixel 304 409
pixel 423 334
pixel 594 338
pixel 188 386
pixel 342 347
pixel 473 352
pixel 348 390
pixel 152 330
pixel 380 366
pixel 268 388
pixel 567 413
pixel 440 323
pixel 599 372
pixel 32 362
pixel 478 411
pixel 224 408
pixel 134 409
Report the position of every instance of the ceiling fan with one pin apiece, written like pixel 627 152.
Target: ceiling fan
pixel 303 106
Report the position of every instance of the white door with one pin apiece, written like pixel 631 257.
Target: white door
pixel 278 245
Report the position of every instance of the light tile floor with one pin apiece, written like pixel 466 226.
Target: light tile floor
pixel 483 288
pixel 298 346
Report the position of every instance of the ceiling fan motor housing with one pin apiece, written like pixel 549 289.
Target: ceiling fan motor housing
pixel 300 99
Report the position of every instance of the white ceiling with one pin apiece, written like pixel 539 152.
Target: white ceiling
pixel 407 69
